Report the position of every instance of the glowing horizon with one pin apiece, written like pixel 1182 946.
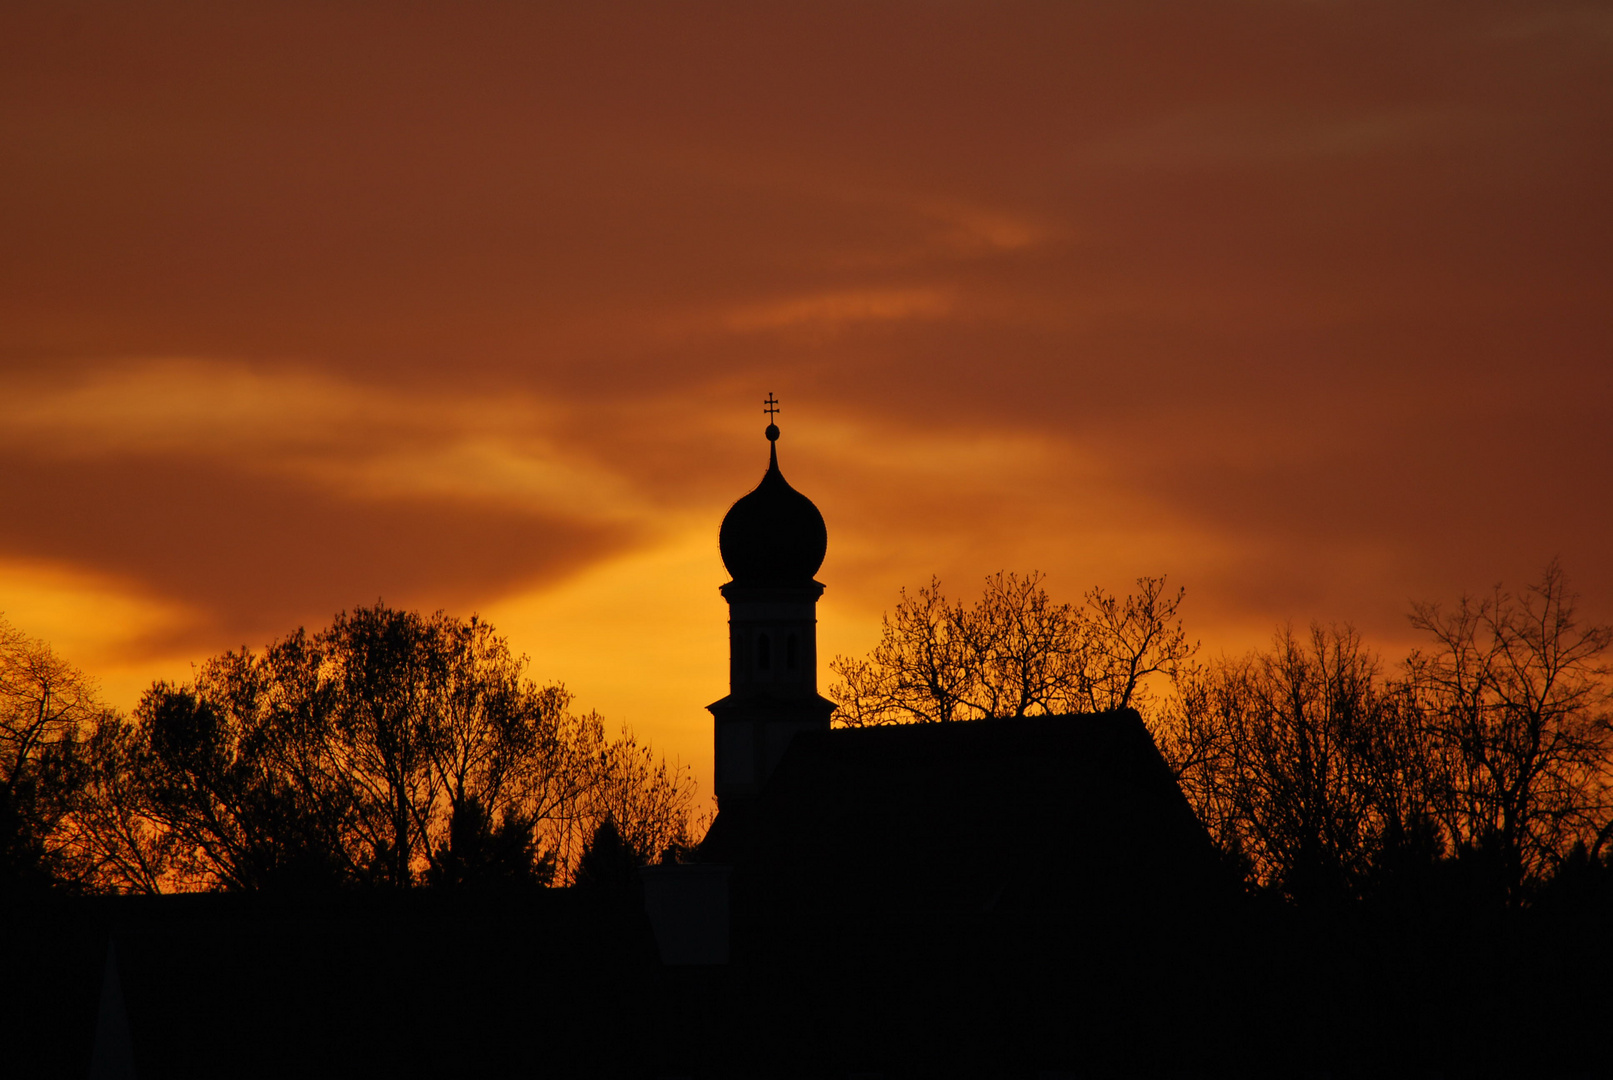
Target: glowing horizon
pixel 1303 306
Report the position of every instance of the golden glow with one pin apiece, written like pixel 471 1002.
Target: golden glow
pixel 1304 306
pixel 642 639
pixel 114 631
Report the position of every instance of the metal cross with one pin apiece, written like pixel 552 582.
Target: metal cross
pixel 772 406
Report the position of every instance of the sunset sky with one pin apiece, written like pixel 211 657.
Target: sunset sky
pixel 1307 304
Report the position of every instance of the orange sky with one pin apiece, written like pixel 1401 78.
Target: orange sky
pixel 1309 305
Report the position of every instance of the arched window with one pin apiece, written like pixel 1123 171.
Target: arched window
pixel 789 652
pixel 764 652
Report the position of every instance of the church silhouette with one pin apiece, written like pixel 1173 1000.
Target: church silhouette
pixel 1018 897
pixel 1013 896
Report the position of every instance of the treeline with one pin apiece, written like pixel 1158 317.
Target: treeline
pixel 1482 763
pixel 390 749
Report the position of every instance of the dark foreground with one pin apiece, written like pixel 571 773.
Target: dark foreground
pixel 566 984
pixel 1028 898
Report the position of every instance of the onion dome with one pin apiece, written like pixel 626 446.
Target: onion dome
pixel 774 535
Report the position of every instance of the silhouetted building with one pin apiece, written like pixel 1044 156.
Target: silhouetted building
pixel 772 541
pixel 1023 897
pixel 1010 897
pixel 1018 894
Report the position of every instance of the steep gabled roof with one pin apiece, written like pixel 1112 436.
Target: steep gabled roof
pixel 1053 813
pixel 987 897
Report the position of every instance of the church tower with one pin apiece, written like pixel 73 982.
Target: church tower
pixel 773 540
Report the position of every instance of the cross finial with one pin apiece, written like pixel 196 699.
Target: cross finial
pixel 771 409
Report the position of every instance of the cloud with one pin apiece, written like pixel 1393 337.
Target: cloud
pixel 831 311
pixel 91 618
pixel 258 554
pixel 252 498
pixel 365 442
pixel 1303 303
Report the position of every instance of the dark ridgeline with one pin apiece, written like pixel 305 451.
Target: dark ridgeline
pixel 1012 897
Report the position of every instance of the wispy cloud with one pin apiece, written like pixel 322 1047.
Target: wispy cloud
pixel 364 442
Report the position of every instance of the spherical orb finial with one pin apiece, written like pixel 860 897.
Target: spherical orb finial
pixel 772 433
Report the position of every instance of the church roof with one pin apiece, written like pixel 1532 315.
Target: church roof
pixel 991 897
pixel 774 535
pixel 1051 813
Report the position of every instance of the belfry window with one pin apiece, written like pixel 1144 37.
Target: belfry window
pixel 764 652
pixel 789 652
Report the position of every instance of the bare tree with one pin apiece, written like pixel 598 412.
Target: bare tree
pixel 388 669
pixel 1495 745
pixel 125 849
pixel 1128 639
pixel 1015 652
pixel 390 748
pixel 501 756
pixel 1516 692
pixel 922 671
pixel 47 708
pixel 1300 759
pixel 1026 650
pixel 646 799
